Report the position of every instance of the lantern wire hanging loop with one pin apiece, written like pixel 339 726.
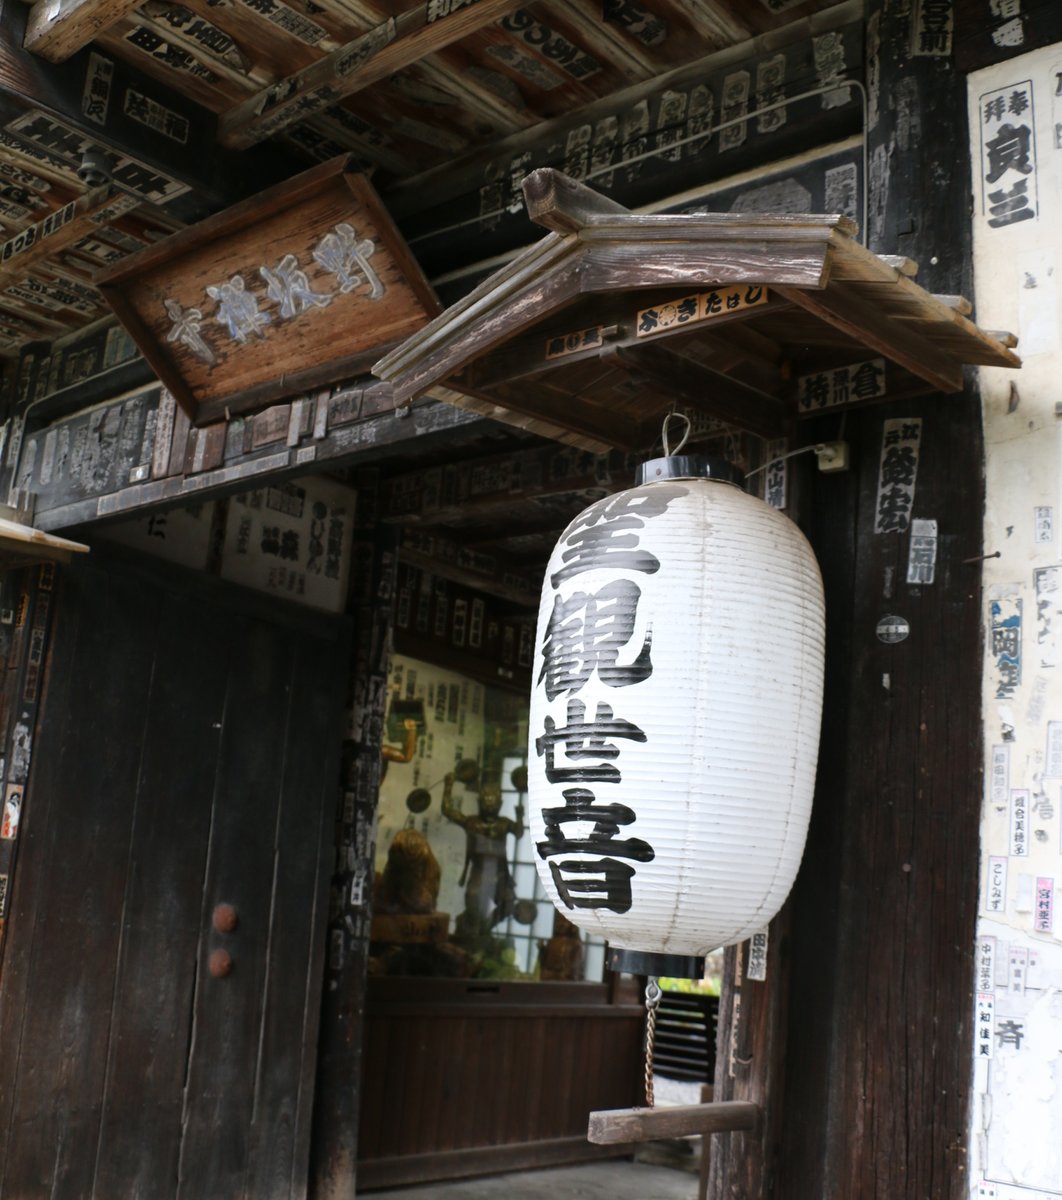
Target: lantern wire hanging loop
pixel 664 437
pixel 652 1003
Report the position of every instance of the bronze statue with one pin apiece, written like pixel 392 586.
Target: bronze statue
pixel 562 957
pixel 490 892
pixel 410 879
pixel 403 754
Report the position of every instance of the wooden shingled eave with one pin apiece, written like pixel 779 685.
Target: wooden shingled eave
pixel 861 302
pixel 508 300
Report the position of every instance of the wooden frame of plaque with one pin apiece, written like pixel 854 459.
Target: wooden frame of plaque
pixel 297 287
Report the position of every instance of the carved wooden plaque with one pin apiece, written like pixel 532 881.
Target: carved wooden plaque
pixel 302 285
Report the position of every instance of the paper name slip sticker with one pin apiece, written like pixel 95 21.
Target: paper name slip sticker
pixel 996 892
pixel 1043 913
pixel 1019 822
pixel 757 969
pixel 986 964
pixel 12 812
pixel 983 1025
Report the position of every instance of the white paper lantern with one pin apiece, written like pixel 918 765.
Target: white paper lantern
pixel 675 715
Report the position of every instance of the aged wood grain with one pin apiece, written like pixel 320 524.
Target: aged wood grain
pixel 562 204
pixel 710 390
pixel 222 340
pixel 92 1093
pixel 342 1026
pixel 492 1059
pixel 140 1129
pixel 62 228
pixel 359 64
pixel 682 1120
pixel 55 1076
pixel 286 1058
pixel 56 30
pixel 726 47
pixel 842 309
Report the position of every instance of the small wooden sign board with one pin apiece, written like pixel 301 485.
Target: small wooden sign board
pixel 300 286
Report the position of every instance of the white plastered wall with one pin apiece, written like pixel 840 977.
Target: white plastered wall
pixel 1016 153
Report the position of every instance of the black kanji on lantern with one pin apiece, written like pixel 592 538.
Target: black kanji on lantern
pixel 605 535
pixel 585 743
pixel 605 820
pixel 593 883
pixel 587 633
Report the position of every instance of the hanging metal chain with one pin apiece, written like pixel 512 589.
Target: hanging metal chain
pixel 652 1003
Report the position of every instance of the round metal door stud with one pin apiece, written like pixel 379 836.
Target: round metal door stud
pixel 220 963
pixel 225 919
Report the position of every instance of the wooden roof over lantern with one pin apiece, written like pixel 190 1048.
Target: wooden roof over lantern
pixel 605 324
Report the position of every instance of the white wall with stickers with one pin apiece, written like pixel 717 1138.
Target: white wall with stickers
pixel 1016 152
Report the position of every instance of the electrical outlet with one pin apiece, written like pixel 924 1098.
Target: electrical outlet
pixel 832 456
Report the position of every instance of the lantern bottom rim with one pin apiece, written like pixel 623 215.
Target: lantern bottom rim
pixel 644 962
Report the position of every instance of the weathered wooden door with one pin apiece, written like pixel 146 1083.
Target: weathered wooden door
pixel 185 759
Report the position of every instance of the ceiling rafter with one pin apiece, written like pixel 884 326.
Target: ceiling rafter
pixel 477 98
pixel 451 178
pixel 56 30
pixel 607 41
pixel 391 46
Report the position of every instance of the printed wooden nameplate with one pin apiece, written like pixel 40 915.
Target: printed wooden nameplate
pixel 665 318
pixel 292 289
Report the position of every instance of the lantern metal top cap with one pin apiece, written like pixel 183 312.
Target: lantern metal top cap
pixel 686 466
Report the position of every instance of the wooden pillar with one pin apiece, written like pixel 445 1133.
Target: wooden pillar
pixel 878 1044
pixel 918 149
pixel 338 1092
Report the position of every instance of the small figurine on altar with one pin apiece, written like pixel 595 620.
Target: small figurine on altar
pixel 562 957
pixel 490 892
pixel 410 880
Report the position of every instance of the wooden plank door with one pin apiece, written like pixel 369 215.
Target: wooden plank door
pixel 185 758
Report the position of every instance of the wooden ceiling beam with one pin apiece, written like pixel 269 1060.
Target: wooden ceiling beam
pixel 557 202
pixel 717 23
pixel 56 29
pixel 447 180
pixel 479 509
pixel 605 40
pixel 61 228
pixel 390 47
pixel 474 97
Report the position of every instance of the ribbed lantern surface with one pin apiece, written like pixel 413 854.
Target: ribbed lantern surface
pixel 675 712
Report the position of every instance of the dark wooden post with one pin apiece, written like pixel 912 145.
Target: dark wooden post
pixel 877 1068
pixel 338 1098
